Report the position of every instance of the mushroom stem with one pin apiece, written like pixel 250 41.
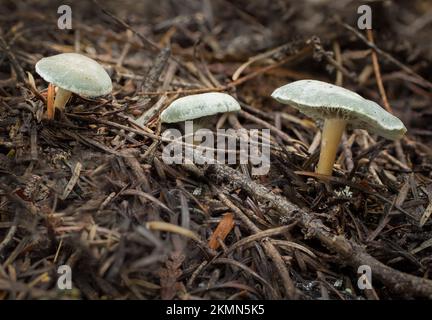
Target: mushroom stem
pixel 62 97
pixel 50 101
pixel 330 140
pixel 199 123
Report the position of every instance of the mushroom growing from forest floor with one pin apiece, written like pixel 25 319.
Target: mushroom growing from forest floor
pixel 199 106
pixel 196 112
pixel 73 73
pixel 339 108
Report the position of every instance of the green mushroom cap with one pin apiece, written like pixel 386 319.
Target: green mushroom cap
pixel 76 73
pixel 321 100
pixel 198 106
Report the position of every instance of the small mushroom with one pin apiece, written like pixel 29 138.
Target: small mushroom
pixel 73 73
pixel 339 108
pixel 199 106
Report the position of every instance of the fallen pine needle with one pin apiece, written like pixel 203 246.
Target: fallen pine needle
pixel 169 227
pixel 222 230
pixel 72 182
pixel 426 215
pixel 378 73
pixel 58 251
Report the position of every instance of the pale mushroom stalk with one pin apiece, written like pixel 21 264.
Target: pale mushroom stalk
pixel 61 98
pixel 199 123
pixel 199 108
pixel 339 108
pixel 73 73
pixel 330 139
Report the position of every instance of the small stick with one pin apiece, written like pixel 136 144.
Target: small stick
pixel 13 60
pixel 10 234
pixel 152 77
pixel 387 56
pixel 302 53
pixel 73 181
pixel 169 227
pixel 126 48
pixel 222 230
pixel 127 26
pixel 378 73
pixel 338 56
pixel 279 132
pixel 352 253
pixel 270 249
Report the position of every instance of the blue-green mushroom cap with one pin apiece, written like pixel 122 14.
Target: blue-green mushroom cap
pixel 76 73
pixel 198 106
pixel 321 100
